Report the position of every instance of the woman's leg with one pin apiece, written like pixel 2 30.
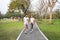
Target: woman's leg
pixel 31 25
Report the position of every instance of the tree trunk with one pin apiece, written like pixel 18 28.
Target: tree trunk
pixel 50 15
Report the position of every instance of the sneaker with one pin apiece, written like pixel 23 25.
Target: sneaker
pixel 25 32
pixel 31 31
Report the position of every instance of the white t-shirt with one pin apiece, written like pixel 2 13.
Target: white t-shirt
pixel 32 20
pixel 26 20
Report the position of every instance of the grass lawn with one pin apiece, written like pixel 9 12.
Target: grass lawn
pixel 52 31
pixel 9 30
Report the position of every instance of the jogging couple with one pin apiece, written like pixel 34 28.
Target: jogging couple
pixel 26 22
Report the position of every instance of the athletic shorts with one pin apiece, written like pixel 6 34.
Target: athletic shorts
pixel 26 25
pixel 31 25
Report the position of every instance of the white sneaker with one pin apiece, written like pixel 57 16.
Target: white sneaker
pixel 31 31
pixel 25 32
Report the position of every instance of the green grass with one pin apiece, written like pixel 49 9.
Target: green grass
pixel 52 31
pixel 9 30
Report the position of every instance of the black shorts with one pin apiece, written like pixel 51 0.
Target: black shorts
pixel 31 25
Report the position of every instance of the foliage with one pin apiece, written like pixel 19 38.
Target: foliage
pixel 58 13
pixel 20 4
pixel 0 15
pixel 8 15
pixel 17 4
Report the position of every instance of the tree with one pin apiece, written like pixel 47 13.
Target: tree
pixel 51 5
pixel 0 15
pixel 45 5
pixel 20 4
pixel 58 13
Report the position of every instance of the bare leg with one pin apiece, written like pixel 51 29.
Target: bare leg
pixel 26 28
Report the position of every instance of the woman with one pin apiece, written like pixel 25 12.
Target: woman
pixel 32 21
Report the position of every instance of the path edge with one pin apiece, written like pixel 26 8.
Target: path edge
pixel 20 34
pixel 42 32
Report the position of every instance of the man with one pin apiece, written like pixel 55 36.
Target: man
pixel 32 21
pixel 26 19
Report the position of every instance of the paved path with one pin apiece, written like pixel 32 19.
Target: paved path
pixel 35 35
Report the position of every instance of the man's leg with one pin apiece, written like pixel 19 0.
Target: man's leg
pixel 26 26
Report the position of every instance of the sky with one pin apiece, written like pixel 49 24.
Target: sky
pixel 4 6
pixel 5 3
pixel 36 5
